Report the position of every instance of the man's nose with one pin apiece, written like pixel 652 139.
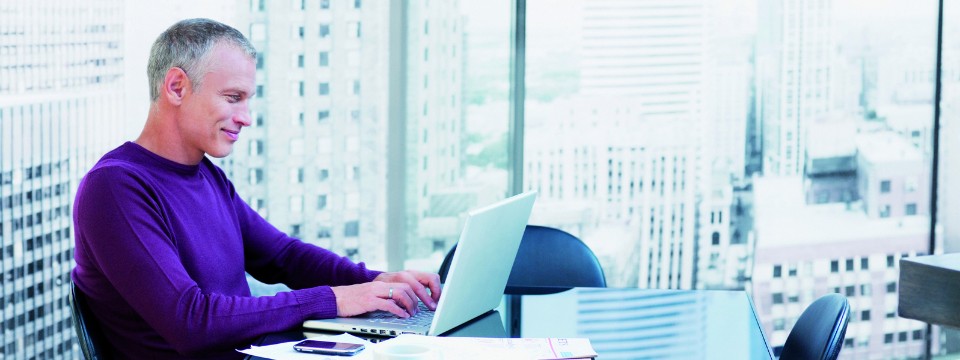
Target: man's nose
pixel 242 118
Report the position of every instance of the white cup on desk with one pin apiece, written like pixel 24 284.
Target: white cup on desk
pixel 388 351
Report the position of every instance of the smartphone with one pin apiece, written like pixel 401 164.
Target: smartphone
pixel 327 347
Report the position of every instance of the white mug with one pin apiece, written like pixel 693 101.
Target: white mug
pixel 388 351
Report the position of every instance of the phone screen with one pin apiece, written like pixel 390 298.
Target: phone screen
pixel 327 347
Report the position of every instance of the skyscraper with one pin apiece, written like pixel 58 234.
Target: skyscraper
pixel 315 160
pixel 794 56
pixel 643 177
pixel 655 50
pixel 61 93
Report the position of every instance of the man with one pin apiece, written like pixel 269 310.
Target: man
pixel 163 240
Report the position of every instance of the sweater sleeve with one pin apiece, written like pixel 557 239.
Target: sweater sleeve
pixel 121 229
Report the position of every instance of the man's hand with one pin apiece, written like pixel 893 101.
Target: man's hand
pixel 418 281
pixel 396 292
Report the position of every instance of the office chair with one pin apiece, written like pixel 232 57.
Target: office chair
pixel 819 332
pixel 85 324
pixel 549 261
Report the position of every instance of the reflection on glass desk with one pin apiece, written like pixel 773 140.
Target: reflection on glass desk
pixel 631 323
pixel 639 324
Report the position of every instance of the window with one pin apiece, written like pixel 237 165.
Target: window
pixel 911 209
pixel 884 211
pixel 324 174
pixel 256 148
pixel 323 232
pixel 324 30
pixel 351 228
pixel 835 266
pixel 891 287
pixel 256 176
pixel 321 202
pixel 776 271
pixel 865 263
pixel 865 315
pixel 323 115
pixel 324 59
pixel 777 298
pixel 849 264
pixel 296 176
pixel 300 61
pixel 884 186
pixel 324 89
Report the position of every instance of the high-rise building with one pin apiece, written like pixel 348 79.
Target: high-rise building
pixel 794 57
pixel 864 241
pixel 315 160
pixel 654 50
pixel 61 106
pixel 643 177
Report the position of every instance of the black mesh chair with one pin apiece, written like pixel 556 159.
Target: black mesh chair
pixel 819 331
pixel 549 260
pixel 85 324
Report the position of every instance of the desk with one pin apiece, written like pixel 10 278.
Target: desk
pixel 928 289
pixel 632 323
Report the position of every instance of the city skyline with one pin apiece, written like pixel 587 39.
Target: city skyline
pixel 656 180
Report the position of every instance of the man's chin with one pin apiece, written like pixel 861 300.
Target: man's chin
pixel 221 153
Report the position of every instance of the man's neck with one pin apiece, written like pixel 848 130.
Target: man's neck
pixel 160 136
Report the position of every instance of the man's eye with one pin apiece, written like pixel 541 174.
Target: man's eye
pixel 234 98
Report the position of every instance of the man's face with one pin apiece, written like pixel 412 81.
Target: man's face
pixel 213 114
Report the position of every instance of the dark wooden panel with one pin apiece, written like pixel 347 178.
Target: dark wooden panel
pixel 930 289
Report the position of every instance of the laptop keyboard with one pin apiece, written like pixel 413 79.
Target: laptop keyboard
pixel 423 317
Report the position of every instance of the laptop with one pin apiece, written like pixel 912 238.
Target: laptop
pixel 475 281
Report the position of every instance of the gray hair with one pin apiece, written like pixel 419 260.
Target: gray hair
pixel 185 45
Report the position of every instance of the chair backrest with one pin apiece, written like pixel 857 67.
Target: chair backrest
pixel 819 331
pixel 548 261
pixel 85 324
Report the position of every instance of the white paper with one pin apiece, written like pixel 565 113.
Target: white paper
pixel 449 348
pixel 504 348
pixel 285 350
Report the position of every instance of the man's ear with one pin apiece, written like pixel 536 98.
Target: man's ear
pixel 175 85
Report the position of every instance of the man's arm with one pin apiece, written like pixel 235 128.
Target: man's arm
pixel 121 228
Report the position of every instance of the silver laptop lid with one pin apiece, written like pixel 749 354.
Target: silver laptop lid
pixel 481 265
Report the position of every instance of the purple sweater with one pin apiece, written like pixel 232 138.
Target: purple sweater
pixel 161 251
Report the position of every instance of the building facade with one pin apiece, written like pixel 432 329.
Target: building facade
pixel 794 57
pixel 865 238
pixel 61 106
pixel 314 163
